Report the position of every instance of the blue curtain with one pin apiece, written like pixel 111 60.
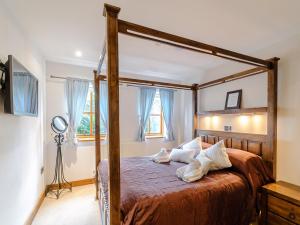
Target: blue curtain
pixel 104 104
pixel 167 103
pixel 145 104
pixel 25 93
pixel 76 93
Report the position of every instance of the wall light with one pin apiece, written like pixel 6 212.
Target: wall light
pixel 78 53
pixel 215 120
pixel 207 122
pixel 207 119
pixel 257 119
pixel 244 120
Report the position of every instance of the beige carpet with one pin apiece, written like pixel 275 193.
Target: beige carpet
pixel 78 207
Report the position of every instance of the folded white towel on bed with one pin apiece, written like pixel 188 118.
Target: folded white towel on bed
pixel 190 172
pixel 195 170
pixel 162 157
pixel 206 163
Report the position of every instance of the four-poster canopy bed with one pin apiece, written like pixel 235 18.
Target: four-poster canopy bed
pixel 262 145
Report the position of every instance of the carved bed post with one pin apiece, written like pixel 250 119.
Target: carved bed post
pixel 272 111
pixel 97 129
pixel 195 109
pixel 111 14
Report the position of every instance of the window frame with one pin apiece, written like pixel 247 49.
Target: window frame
pixel 91 136
pixel 161 133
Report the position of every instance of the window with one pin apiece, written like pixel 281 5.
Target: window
pixel 155 124
pixel 86 129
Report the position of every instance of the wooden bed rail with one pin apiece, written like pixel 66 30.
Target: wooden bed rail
pixel 115 26
pixel 181 42
pixel 111 14
pixel 236 76
pixel 126 80
pixel 195 109
pixel 272 113
pixel 97 130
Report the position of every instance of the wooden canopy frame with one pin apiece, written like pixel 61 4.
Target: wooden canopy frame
pixel 114 26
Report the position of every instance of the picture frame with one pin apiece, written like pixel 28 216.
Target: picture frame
pixel 233 99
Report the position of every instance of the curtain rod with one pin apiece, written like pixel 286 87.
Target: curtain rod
pixel 65 78
pixel 149 83
pixel 139 85
pixel 128 83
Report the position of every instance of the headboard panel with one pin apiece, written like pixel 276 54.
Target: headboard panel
pixel 211 139
pixel 254 147
pixel 254 143
pixel 237 143
pixel 227 141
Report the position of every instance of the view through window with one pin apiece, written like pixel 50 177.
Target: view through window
pixel 155 123
pixel 86 129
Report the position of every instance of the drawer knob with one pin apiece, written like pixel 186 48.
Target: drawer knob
pixel 292 216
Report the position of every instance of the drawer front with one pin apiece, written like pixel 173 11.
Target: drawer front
pixel 284 209
pixel 277 220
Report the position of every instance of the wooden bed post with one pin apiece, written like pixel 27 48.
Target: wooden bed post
pixel 272 111
pixel 97 129
pixel 111 14
pixel 195 109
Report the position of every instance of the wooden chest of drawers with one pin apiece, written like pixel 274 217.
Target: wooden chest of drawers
pixel 280 204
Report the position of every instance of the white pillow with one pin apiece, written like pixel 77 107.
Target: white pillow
pixel 194 144
pixel 180 155
pixel 217 153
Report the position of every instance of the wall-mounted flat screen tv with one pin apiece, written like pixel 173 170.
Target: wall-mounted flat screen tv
pixel 21 87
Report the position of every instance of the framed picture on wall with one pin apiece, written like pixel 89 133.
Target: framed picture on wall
pixel 233 99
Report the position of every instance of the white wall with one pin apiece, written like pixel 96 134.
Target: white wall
pixel 79 163
pixel 21 137
pixel 254 95
pixel 288 167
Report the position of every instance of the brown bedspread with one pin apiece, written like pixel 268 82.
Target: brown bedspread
pixel 151 194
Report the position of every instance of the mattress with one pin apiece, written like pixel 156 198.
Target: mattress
pixel 152 194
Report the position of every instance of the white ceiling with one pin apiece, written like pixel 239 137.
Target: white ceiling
pixel 60 27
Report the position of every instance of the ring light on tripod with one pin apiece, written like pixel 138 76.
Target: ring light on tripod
pixel 59 125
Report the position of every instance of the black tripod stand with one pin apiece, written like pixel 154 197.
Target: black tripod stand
pixel 59 182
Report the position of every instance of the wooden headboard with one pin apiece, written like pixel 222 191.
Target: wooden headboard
pixel 254 143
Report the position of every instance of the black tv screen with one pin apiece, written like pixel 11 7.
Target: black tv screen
pixel 21 90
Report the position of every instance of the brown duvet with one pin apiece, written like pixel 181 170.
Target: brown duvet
pixel 151 194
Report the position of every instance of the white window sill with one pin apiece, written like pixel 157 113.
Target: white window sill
pixel 154 137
